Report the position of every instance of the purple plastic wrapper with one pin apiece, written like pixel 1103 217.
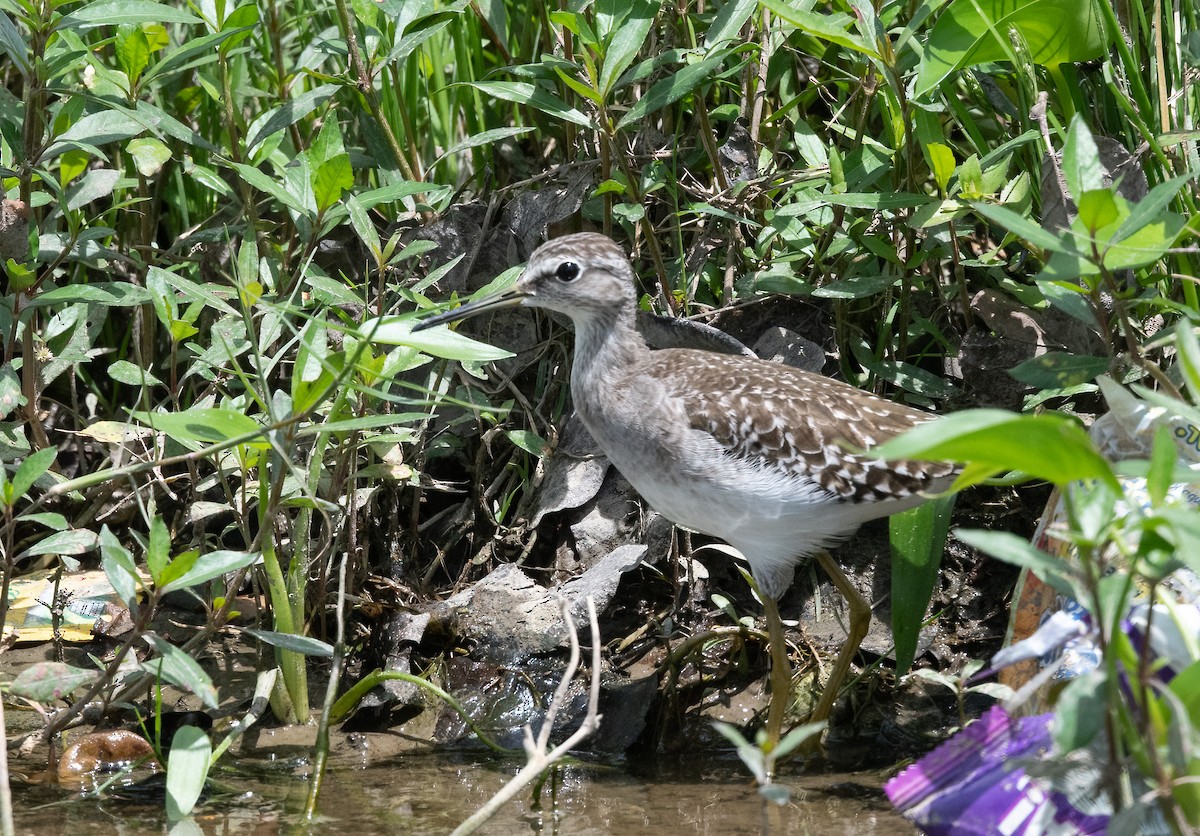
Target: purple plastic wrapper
pixel 974 784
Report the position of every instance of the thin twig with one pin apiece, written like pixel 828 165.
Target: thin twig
pixel 539 760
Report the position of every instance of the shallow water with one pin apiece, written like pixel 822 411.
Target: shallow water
pixel 433 793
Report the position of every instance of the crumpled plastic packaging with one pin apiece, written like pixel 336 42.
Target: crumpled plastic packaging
pixel 1001 774
pixel 92 607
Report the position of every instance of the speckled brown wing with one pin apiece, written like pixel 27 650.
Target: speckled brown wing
pixel 799 422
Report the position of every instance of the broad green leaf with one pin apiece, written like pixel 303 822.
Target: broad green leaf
pixel 206 568
pixel 1049 446
pixel 99 129
pixel 297 644
pixel 50 519
pixel 149 155
pixel 1149 207
pixel 70 542
pixel 31 470
pixel 728 22
pixel 834 28
pixel 46 682
pixel 187 771
pixel 626 41
pixel 1079 712
pixel 331 172
pixel 1097 208
pixel 97 183
pixel 206 425
pixel 1023 227
pixel 288 113
pixel 195 52
pixel 1081 164
pixel 530 442
pixel 116 12
pixel 672 88
pixel 158 550
pixel 361 221
pixel 1061 575
pixel 918 539
pixel 119 568
pixel 941 161
pixel 439 342
pixel 12 44
pixel 973 32
pixel 524 93
pixel 1058 370
pixel 179 669
pixel 133 50
pixel 108 294
pixel 856 287
pixel 265 184
pixel 125 372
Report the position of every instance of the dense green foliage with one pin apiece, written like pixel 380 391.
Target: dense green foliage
pixel 212 250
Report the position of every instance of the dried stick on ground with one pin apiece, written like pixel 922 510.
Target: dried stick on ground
pixel 539 758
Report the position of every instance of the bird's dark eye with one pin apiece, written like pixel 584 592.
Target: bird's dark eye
pixel 568 271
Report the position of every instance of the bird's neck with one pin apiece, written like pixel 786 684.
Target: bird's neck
pixel 606 349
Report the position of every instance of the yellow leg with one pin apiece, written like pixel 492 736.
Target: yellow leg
pixel 860 620
pixel 781 679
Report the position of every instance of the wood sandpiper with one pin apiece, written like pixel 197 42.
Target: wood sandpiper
pixel 758 454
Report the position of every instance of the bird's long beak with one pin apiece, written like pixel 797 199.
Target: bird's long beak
pixel 515 295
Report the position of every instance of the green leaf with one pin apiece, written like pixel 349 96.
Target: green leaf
pixel 364 227
pixel 149 155
pixel 47 682
pixel 125 372
pixel 116 12
pixel 530 442
pixel 1097 208
pixel 1023 227
pixel 918 539
pixel 1187 350
pixel 626 41
pixel 187 770
pixel 71 542
pixel 331 171
pixel 133 50
pixel 50 519
pixel 941 161
pixel 265 184
pixel 1048 446
pixel 288 113
pixel 206 425
pixel 12 44
pixel 98 129
pixel 1081 164
pixel 212 565
pixel 298 644
pixel 973 32
pixel 179 669
pixel 31 469
pixel 834 28
pixel 97 183
pixel 1058 370
pixel 1079 712
pixel 1015 550
pixel 158 550
pixel 1149 207
pixel 440 342
pixel 524 93
pixel 672 88
pixel 119 568
pixel 108 294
